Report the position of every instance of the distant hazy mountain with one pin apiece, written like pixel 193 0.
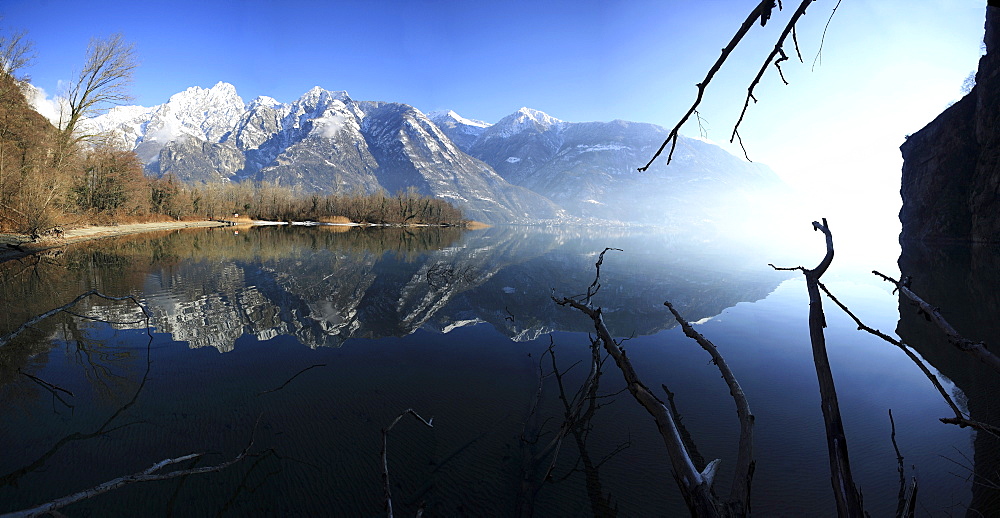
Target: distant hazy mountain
pixel 527 167
pixel 589 168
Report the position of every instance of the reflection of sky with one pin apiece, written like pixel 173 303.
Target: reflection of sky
pixel 767 345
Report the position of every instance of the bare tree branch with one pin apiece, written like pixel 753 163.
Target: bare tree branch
pixel 146 475
pixel 104 80
pixel 761 12
pixel 385 457
pixel 822 40
pixel 778 51
pixel 16 52
pixel 740 491
pixel 977 350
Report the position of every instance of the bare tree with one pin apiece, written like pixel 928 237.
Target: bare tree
pixel 104 81
pixel 16 52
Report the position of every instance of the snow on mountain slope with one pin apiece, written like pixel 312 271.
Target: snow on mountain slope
pixel 529 166
pixel 203 113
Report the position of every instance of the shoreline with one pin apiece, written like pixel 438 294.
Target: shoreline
pixel 15 246
pixel 12 246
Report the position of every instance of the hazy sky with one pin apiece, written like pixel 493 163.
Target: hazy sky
pixel 888 66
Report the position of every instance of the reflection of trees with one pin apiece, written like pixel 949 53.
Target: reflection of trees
pixel 540 454
pixel 111 424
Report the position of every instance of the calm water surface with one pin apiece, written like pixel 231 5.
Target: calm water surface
pixel 309 341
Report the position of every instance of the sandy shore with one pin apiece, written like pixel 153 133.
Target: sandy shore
pixel 13 246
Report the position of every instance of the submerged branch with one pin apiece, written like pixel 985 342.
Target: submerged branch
pixel 290 379
pixel 385 459
pixel 146 475
pixel 977 350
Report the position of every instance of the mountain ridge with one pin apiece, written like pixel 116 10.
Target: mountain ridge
pixel 528 167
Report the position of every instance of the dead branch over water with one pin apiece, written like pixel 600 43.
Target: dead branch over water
pixel 977 350
pixel 761 12
pixel 960 418
pixel 740 491
pixel 849 500
pixel 695 485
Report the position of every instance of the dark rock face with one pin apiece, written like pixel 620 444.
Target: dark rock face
pixel 951 168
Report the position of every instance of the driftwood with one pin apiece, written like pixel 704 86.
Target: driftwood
pixel 960 418
pixel 385 456
pixel 149 474
pixel 739 495
pixel 849 500
pixel 977 350
pixel 695 485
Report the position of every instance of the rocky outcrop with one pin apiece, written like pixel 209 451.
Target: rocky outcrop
pixel 951 168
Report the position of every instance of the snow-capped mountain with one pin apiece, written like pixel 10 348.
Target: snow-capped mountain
pixel 589 169
pixel 528 166
pixel 460 130
pixel 206 114
pixel 323 142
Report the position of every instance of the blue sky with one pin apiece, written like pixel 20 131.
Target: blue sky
pixel 888 67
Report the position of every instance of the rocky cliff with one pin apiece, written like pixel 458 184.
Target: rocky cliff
pixel 951 168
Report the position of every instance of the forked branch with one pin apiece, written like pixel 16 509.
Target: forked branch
pixel 761 12
pixel 385 456
pixel 846 494
pixel 739 495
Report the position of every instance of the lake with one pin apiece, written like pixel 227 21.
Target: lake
pixel 306 342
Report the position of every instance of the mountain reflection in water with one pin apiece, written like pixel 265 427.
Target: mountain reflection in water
pixel 454 324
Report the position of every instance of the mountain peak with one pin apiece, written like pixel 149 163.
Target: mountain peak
pixel 451 117
pixel 322 94
pixel 196 94
pixel 536 116
pixel 263 100
pixel 522 120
